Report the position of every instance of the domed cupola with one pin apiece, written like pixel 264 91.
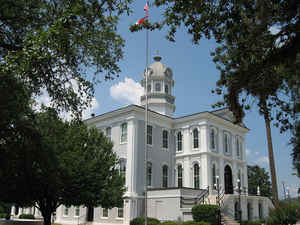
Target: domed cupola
pixel 159 89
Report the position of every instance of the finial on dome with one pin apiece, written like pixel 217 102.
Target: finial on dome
pixel 157 58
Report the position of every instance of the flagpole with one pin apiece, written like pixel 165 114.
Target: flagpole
pixel 146 117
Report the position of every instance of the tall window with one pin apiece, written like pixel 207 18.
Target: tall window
pixel 226 142
pixel 149 173
pixel 77 211
pixel 212 139
pixel 157 87
pixel 179 141
pixel 120 212
pixel 214 176
pixel 196 176
pixel 149 135
pixel 108 132
pixel 165 139
pixel 166 89
pixel 104 212
pixel 149 88
pixel 66 211
pixel 237 147
pixel 123 168
pixel 165 176
pixel 124 132
pixel 179 175
pixel 195 138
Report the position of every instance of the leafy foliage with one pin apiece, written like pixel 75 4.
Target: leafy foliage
pixel 253 222
pixel 295 142
pixel 195 223
pixel 287 213
pixel 141 221
pixel 205 213
pixel 47 44
pixel 62 163
pixel 258 176
pixel 169 223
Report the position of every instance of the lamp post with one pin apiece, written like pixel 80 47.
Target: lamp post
pixel 240 207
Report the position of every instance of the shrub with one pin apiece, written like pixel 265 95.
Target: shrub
pixel 26 216
pixel 253 222
pixel 287 213
pixel 3 215
pixel 141 221
pixel 205 213
pixel 170 223
pixel 195 223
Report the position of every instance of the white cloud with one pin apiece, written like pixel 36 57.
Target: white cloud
pixel 262 160
pixel 44 99
pixel 247 151
pixel 128 91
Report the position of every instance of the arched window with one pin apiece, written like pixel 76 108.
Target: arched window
pixel 195 138
pixel 226 142
pixel 179 141
pixel 124 132
pixel 166 89
pixel 214 176
pixel 157 87
pixel 149 135
pixel 212 139
pixel 179 175
pixel 149 88
pixel 165 176
pixel 237 147
pixel 123 168
pixel 196 176
pixel 165 139
pixel 149 173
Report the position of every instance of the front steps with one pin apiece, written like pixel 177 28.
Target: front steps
pixel 228 221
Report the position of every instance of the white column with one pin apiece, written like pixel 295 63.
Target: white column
pixel 203 138
pixel 186 141
pixel 245 172
pixel 205 171
pixel 12 210
pixel 221 173
pixel 130 167
pixel 186 172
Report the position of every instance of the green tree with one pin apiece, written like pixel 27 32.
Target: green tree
pixel 254 62
pixel 48 45
pixel 258 176
pixel 61 163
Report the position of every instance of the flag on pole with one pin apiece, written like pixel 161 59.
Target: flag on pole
pixel 142 20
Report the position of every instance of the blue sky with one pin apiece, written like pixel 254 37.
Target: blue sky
pixel 195 76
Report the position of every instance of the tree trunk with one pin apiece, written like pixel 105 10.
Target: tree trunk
pixel 47 219
pixel 271 155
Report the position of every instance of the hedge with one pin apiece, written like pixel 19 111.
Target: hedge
pixel 206 213
pixel 194 223
pixel 26 216
pixel 3 215
pixel 170 223
pixel 141 221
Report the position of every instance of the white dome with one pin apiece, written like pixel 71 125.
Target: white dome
pixel 157 69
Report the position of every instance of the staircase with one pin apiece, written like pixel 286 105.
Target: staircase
pixel 228 221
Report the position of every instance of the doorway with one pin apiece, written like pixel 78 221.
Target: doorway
pixel 228 180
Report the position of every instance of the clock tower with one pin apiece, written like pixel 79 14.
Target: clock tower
pixel 159 89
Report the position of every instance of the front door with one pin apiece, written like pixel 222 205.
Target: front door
pixel 90 214
pixel 228 180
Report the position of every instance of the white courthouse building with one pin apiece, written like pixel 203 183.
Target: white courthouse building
pixel 186 157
